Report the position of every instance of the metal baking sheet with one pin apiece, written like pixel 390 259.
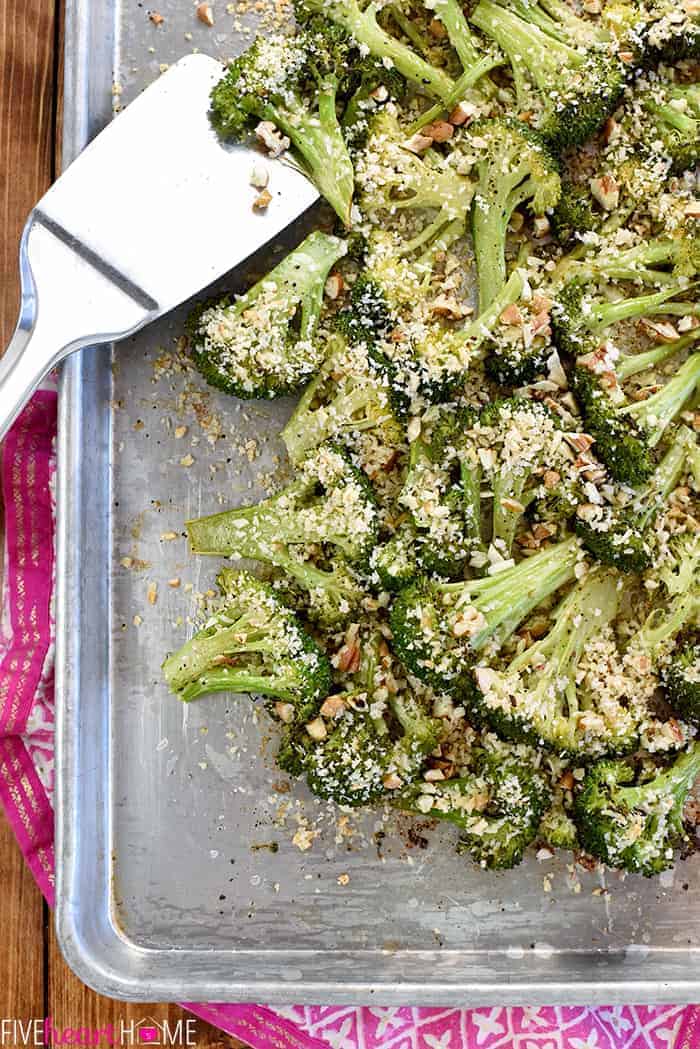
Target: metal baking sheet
pixel 168 815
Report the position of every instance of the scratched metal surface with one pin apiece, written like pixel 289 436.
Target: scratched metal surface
pixel 164 891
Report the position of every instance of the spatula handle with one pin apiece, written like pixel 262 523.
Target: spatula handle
pixel 66 304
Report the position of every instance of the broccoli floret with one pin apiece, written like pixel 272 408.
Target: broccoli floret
pixel 675 120
pixel 442 358
pixel 356 757
pixel 631 824
pixel 362 25
pixel 439 628
pixel 446 528
pixel 251 643
pixel 676 580
pixel 395 560
pixel 262 344
pixel 520 347
pixel 513 167
pixel 579 318
pixel 296 84
pixel 573 214
pixel 352 394
pixel 557 829
pixel 626 433
pixel 329 504
pixel 506 452
pixel 681 679
pixel 655 30
pixel 497 807
pixel 550 693
pixel 571 89
pixel 396 181
pixel 368 317
pixel 623 536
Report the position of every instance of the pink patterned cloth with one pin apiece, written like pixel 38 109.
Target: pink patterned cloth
pixel 26 786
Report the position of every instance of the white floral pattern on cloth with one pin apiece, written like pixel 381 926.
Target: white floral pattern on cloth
pixel 26 787
pixel 530 1027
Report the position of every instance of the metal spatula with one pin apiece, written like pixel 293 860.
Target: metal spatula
pixel 152 211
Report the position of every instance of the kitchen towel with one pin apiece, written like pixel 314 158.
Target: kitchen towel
pixel 26 789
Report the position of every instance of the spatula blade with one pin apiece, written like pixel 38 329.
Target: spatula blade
pixel 158 199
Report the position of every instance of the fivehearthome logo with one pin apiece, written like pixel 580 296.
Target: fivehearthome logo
pixel 15 1033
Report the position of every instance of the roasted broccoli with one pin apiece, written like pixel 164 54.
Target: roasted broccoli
pixel 497 806
pixel 514 451
pixel 520 347
pixel 580 319
pixel 328 505
pixel 446 529
pixel 432 189
pixel 626 433
pixel 360 22
pixel 675 582
pixel 513 168
pixel 655 133
pixel 262 344
pixel 251 643
pixel 632 823
pixel 655 30
pixel 296 84
pixel 394 561
pixel 623 535
pixel 352 394
pixel 569 83
pixel 439 628
pixel 562 689
pixel 681 679
pixel 356 756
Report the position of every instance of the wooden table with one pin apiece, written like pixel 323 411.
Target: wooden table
pixel 35 982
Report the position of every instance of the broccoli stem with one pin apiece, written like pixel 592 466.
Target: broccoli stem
pixel 463 83
pixel 531 52
pixel 450 13
pixel 606 314
pixel 364 27
pixel 636 264
pixel 633 363
pixel 196 656
pixel 480 328
pixel 507 597
pixel 319 142
pixel 505 522
pixel 308 427
pixel 228 679
pixel 665 477
pixel 656 412
pixel 408 29
pixel 674 781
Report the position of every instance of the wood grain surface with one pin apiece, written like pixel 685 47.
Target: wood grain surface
pixel 35 982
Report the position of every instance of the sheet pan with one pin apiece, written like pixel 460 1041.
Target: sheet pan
pixel 178 872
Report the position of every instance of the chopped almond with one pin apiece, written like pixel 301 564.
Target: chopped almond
pixel 334 286
pixel 285 712
pixel 440 131
pixel 156 18
pixel 263 200
pixel 205 14
pixel 462 112
pixel 659 331
pixel 606 191
pixel 437 29
pixel 392 782
pixel 332 707
pixel 317 729
pixel 447 306
pixel 511 315
pixel 417 143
